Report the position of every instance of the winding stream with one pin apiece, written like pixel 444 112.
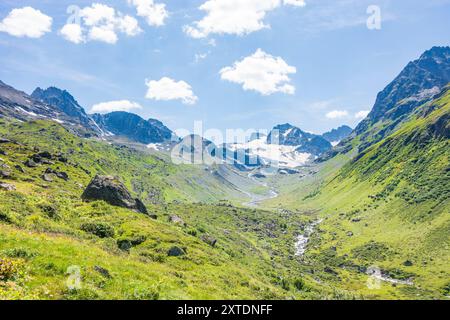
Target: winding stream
pixel 256 199
pixel 303 239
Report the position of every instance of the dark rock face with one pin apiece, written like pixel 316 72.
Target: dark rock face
pixel 67 104
pixel 289 135
pixel 338 134
pixel 112 191
pixel 420 81
pixel 133 127
pixel 175 252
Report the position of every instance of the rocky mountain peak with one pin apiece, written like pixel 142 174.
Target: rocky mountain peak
pixel 418 82
pixel 60 98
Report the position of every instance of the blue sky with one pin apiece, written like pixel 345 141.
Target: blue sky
pixel 333 61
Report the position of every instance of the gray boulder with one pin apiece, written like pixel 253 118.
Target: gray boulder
pixel 7 187
pixel 209 240
pixel 175 252
pixel 176 220
pixel 5 174
pixel 111 190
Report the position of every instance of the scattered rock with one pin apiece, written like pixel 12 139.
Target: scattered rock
pixel 50 171
pixel 104 272
pixel 140 206
pixel 19 168
pixel 209 240
pixel 41 155
pixel 112 191
pixel 3 152
pixel 356 220
pixel 62 159
pixel 47 177
pixel 7 186
pixel 330 271
pixel 349 234
pixel 4 166
pixel 5 174
pixel 175 252
pixel 30 163
pixel 408 263
pixel 3 140
pixel 153 216
pixel 176 220
pixel 62 175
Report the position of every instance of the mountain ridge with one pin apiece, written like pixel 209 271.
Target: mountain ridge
pixel 133 127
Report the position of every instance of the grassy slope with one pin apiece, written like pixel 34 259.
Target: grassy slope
pixel 389 206
pixel 40 231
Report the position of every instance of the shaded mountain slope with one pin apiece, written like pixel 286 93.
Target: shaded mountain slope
pixel 133 127
pixel 388 208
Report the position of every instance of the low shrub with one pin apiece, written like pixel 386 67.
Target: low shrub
pixel 100 230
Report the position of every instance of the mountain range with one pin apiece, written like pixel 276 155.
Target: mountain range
pixel 369 220
pixel 285 146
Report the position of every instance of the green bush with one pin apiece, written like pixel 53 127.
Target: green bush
pixel 100 230
pixel 299 284
pixel 192 232
pixel 19 253
pixel 4 217
pixel 151 293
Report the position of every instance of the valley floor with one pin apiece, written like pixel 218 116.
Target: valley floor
pixel 291 241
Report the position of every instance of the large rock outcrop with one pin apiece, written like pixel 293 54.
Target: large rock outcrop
pixel 111 190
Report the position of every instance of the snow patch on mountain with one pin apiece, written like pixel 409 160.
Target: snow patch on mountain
pixel 273 154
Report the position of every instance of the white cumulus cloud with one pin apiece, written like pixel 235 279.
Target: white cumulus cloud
pixel 362 114
pixel 26 22
pixel 154 13
pixel 72 32
pixel 234 16
pixel 100 22
pixel 297 3
pixel 261 72
pixel 167 89
pixel 111 106
pixel 337 114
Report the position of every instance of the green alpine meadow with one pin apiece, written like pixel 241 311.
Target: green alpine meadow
pixel 102 198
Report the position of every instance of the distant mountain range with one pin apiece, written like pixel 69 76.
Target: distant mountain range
pixel 60 106
pixel 285 146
